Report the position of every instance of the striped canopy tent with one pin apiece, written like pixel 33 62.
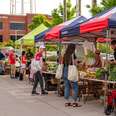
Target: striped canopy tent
pixel 101 25
pixel 53 34
pixel 28 39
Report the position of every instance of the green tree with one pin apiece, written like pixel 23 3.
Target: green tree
pixel 58 13
pixel 57 16
pixel 38 20
pixel 105 4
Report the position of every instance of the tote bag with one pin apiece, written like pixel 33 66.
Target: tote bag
pixel 72 72
pixel 59 71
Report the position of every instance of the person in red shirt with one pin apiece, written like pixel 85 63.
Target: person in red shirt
pixel 38 73
pixel 23 65
pixel 12 61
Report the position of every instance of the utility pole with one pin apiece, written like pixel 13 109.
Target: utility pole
pixel 31 6
pixel 65 10
pixel 10 6
pixel 15 2
pixel 35 6
pixel 22 7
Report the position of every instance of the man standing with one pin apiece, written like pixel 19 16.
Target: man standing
pixel 29 57
pixel 38 74
pixel 12 61
pixel 2 57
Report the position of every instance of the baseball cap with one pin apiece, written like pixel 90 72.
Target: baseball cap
pixel 11 49
pixel 42 45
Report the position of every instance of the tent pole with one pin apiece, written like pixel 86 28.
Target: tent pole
pixel 108 35
pixel 34 49
pixel 45 50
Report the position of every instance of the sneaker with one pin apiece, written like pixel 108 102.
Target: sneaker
pixel 12 77
pixel 44 92
pixel 34 93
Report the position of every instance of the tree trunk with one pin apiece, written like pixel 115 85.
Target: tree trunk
pixel 78 7
pixel 65 10
pixel 94 3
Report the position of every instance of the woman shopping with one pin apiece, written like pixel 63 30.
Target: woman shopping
pixel 68 59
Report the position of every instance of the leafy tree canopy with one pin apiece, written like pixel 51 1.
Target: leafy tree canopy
pixel 58 13
pixel 105 4
pixel 57 16
pixel 38 20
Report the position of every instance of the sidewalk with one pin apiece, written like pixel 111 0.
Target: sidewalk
pixel 16 100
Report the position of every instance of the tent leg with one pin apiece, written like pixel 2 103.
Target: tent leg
pixel 108 35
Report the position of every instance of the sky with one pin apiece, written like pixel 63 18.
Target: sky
pixel 42 6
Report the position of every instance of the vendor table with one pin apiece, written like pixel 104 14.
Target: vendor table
pixel 96 87
pixel 97 80
pixel 48 72
pixel 50 81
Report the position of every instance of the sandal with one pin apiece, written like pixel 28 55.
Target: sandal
pixel 68 104
pixel 76 105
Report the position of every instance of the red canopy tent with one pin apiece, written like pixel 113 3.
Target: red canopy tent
pixel 102 25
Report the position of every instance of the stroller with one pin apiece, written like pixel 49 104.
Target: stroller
pixel 111 103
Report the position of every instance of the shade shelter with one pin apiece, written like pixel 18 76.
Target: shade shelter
pixel 28 39
pixel 54 33
pixel 95 27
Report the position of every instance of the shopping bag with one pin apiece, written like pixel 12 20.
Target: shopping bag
pixel 59 71
pixel 72 73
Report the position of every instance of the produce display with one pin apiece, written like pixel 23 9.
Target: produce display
pixel 112 73
pixel 100 73
pixel 91 73
pixel 52 67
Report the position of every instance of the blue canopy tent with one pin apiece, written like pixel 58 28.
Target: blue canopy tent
pixel 53 34
pixel 41 36
pixel 73 28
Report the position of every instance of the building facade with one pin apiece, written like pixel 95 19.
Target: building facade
pixel 13 27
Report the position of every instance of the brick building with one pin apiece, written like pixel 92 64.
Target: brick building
pixel 14 26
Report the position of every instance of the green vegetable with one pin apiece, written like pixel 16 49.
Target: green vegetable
pixel 90 54
pixel 99 73
pixel 112 74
